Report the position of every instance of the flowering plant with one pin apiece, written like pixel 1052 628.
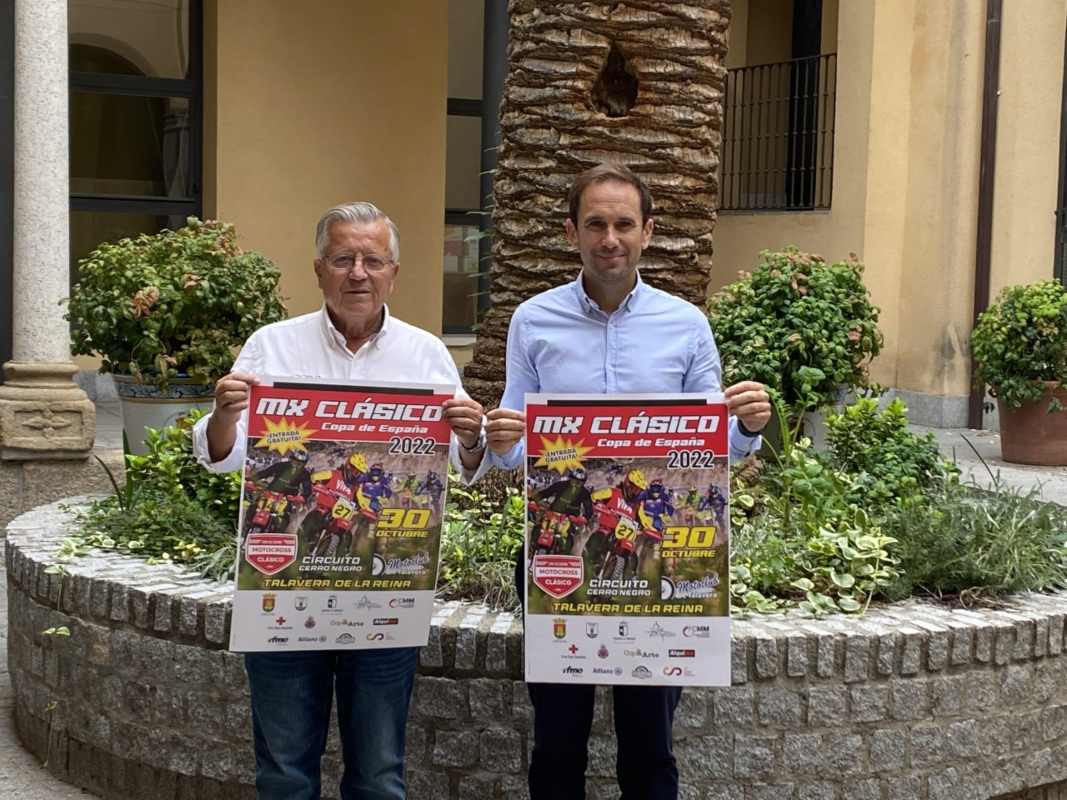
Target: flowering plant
pixel 174 303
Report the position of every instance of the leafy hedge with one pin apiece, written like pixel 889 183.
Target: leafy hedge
pixel 1020 342
pixel 879 516
pixel 799 325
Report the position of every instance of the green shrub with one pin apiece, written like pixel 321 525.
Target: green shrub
pixel 799 325
pixel 880 516
pixel 496 487
pixel 888 462
pixel 478 543
pixel 155 525
pixel 177 302
pixel 1021 341
pixel 170 508
pixel 968 542
pixel 812 546
pixel 170 467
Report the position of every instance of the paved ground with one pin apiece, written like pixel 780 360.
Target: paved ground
pixel 1050 482
pixel 22 778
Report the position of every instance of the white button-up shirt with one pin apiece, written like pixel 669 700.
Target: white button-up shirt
pixel 309 346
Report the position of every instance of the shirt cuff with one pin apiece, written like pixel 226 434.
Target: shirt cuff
pixel 742 443
pixel 232 462
pixel 469 476
pixel 512 459
pixel 745 431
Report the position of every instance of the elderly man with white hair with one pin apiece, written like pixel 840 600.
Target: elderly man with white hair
pixel 353 337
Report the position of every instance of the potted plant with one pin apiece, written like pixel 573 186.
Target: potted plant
pixel 805 328
pixel 1020 351
pixel 165 314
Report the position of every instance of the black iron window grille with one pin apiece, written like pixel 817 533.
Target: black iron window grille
pixel 778 142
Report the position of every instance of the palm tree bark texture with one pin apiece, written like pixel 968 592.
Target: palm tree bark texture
pixel 639 83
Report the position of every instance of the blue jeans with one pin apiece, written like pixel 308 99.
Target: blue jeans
pixel 291 698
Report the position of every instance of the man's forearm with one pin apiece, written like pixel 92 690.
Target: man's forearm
pixel 221 437
pixel 471 459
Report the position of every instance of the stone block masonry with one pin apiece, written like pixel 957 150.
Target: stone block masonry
pixel 910 702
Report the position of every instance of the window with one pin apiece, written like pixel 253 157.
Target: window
pixel 463 281
pixel 778 138
pixel 778 113
pixel 135 119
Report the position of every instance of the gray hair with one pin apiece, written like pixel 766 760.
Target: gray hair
pixel 359 214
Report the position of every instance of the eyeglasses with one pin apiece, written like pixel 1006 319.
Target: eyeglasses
pixel 343 262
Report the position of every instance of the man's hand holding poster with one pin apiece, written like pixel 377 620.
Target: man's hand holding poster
pixel 627 540
pixel 339 539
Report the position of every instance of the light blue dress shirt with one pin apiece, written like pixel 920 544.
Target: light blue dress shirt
pixel 562 342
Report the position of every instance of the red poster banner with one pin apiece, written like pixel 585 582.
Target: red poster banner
pixel 343 498
pixel 627 540
pixel 560 432
pixel 282 414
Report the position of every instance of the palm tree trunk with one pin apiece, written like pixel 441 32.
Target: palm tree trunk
pixel 640 83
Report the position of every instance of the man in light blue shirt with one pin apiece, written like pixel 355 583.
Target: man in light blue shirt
pixel 609 332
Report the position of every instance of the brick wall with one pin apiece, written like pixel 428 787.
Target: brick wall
pixel 911 702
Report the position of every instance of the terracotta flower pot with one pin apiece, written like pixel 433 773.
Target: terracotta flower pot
pixel 1031 435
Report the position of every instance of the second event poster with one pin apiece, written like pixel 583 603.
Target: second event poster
pixel 344 492
pixel 627 544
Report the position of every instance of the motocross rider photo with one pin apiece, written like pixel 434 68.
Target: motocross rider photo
pixel 273 492
pixel 560 512
pixel 333 507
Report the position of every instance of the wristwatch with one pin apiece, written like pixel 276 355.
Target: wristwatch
pixel 745 431
pixel 478 445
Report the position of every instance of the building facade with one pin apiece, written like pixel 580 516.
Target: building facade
pixel 893 124
pixel 850 127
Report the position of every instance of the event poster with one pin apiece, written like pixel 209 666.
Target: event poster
pixel 339 537
pixel 627 540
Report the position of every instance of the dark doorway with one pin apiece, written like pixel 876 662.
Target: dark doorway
pixel 7 175
pixel 1060 254
pixel 804 103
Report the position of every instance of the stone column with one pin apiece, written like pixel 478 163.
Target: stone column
pixel 43 414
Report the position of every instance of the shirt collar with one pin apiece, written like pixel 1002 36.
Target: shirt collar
pixel 336 338
pixel 589 304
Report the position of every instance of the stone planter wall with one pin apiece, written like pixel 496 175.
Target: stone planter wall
pixel 911 702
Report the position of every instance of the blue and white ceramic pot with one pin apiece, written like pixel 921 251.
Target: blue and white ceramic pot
pixel 147 406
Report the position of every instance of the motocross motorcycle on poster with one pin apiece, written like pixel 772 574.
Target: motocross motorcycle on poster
pixel 555 530
pixel 272 510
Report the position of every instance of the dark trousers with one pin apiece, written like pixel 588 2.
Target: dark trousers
pixel 563 719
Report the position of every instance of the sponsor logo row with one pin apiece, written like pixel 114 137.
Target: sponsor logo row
pixel 625 631
pixel 281 623
pixel 345 638
pixel 574 652
pixel 640 672
pixel 334 604
pixel 342 639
